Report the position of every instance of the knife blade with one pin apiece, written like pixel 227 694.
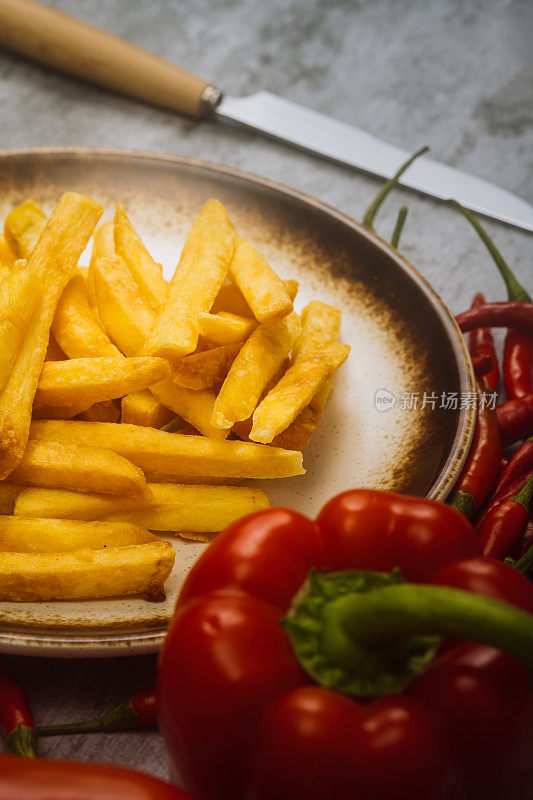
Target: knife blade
pixel 318 133
pixel 72 46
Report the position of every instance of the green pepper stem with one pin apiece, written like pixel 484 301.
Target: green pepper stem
pixel 358 625
pixel 398 228
pixel 22 741
pixel 375 205
pixel 525 564
pixel 525 494
pixel 515 290
pixel 120 718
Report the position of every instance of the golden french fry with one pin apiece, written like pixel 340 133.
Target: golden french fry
pixel 21 292
pixel 44 535
pixel 206 368
pixel 53 259
pixel 320 326
pixel 199 275
pixel 145 271
pixel 174 453
pixel 141 408
pixel 121 307
pixel 91 380
pixel 162 477
pixel 174 508
pixel 23 226
pixel 7 256
pixel 195 407
pixel 224 328
pixel 83 468
pixel 295 391
pixel 262 288
pixel 258 361
pixel 8 494
pixel 87 574
pixel 54 352
pixel 230 298
pixel 296 436
pixel 76 328
pixel 105 411
pixel 103 245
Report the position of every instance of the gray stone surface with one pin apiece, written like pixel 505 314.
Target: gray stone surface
pixel 450 73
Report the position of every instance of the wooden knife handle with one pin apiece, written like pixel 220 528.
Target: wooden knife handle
pixel 65 43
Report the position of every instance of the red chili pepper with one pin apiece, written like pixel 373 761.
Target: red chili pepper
pixel 527 541
pixel 517 360
pixel 482 345
pixel 241 718
pixel 497 498
pixel 502 529
pixel 518 349
pixel 507 314
pixel 483 365
pixel 70 780
pixel 16 718
pixel 137 711
pixel 516 419
pixel 520 462
pixel 482 466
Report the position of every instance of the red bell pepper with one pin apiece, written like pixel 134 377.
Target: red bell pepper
pixel 68 780
pixel 252 709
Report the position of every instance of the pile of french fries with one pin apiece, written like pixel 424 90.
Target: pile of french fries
pixel 95 361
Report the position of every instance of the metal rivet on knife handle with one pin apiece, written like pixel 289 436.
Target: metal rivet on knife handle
pixel 67 44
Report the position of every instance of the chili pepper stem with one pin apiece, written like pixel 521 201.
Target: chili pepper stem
pixel 23 741
pixel 525 564
pixel 375 205
pixel 120 718
pixel 398 228
pixel 514 289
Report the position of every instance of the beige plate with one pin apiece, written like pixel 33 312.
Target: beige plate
pixel 402 336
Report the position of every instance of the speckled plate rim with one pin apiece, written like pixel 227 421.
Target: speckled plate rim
pixel 101 642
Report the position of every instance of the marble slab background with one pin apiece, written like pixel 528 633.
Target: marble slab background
pixel 454 74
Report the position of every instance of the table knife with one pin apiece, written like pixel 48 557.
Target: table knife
pixel 60 41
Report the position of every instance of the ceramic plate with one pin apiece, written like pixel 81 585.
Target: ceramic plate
pixel 395 419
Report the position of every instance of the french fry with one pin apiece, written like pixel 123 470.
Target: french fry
pixel 21 292
pixel 146 273
pixel 174 508
pixel 295 391
pixel 105 411
pixel 230 298
pixel 174 453
pixel 82 468
pixel 103 245
pixel 259 359
pixel 224 328
pixel 8 494
pixel 58 412
pixel 206 368
pixel 199 275
pixel 86 381
pixel 142 408
pixel 7 256
pixel 87 574
pixel 23 226
pixel 121 307
pixel 298 433
pixel 53 260
pixel 53 351
pixel 262 288
pixel 195 407
pixel 320 326
pixel 76 327
pixel 41 535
